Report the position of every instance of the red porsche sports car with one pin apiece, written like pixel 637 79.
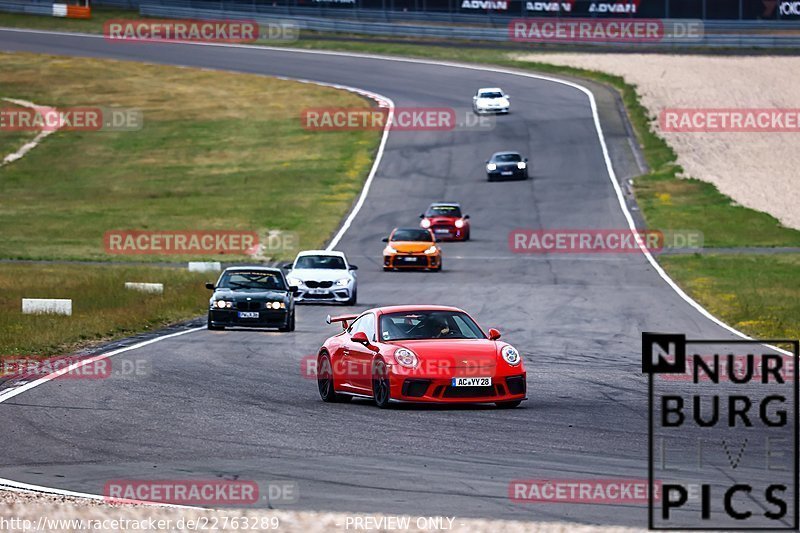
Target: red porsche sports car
pixel 419 354
pixel 446 221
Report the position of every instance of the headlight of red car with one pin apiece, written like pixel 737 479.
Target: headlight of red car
pixel 459 223
pixel 425 223
pixel 406 358
pixel 511 355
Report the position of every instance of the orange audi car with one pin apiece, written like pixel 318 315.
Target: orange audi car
pixel 409 248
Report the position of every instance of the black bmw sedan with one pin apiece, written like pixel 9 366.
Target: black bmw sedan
pixel 257 297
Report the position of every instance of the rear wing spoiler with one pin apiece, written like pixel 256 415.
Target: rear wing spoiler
pixel 343 319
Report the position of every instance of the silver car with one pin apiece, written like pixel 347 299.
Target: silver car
pixel 323 276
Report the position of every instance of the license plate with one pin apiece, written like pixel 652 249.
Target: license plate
pixel 472 382
pixel 410 259
pixel 317 291
pixel 442 231
pixel 506 173
pixel 248 314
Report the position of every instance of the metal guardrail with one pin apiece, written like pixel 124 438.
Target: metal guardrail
pixel 450 32
pixel 30 8
pixel 377 15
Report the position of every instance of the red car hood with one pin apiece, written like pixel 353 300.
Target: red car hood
pixel 454 353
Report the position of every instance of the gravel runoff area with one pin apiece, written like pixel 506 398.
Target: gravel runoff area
pixel 43 513
pixel 757 170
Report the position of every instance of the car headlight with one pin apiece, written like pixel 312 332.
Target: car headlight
pixel 511 355
pixel 391 250
pixel 459 223
pixel 425 223
pixel 276 305
pixel 294 281
pixel 406 358
pixel 342 282
pixel 491 166
pixel 431 250
pixel 222 304
pixel 521 165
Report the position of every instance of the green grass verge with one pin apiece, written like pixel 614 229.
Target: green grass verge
pixel 218 151
pixel 102 307
pixel 757 293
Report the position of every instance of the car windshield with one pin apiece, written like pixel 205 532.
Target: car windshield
pixel 417 235
pixel 328 262
pixel 491 94
pixel 443 211
pixel 252 280
pixel 507 158
pixel 428 325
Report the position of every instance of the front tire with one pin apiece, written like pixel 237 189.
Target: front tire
pixel 289 324
pixel 325 382
pixel 508 405
pixel 354 298
pixel 381 388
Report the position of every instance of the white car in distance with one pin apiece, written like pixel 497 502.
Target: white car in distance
pixel 490 100
pixel 323 276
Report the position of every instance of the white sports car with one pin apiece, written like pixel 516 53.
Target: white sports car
pixel 322 276
pixel 490 100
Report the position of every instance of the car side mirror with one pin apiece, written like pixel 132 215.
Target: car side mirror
pixel 287 266
pixel 353 267
pixel 294 289
pixel 466 217
pixel 360 337
pixel 526 159
pixel 422 215
pixel 385 239
pixel 494 334
pixel 210 286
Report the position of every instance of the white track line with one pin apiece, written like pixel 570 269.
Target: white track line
pixel 28 146
pixel 16 486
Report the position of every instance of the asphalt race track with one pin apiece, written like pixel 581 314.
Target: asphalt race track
pixel 234 404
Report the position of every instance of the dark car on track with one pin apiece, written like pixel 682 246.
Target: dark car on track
pixel 255 297
pixel 507 165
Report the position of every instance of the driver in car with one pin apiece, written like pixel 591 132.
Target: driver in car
pixel 439 327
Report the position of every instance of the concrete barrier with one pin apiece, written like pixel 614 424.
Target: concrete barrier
pixel 50 306
pixel 154 288
pixel 200 266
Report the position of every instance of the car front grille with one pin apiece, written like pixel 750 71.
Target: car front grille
pixel 326 296
pixel 248 306
pixel 319 284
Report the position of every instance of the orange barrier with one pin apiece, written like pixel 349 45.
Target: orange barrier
pixel 79 12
